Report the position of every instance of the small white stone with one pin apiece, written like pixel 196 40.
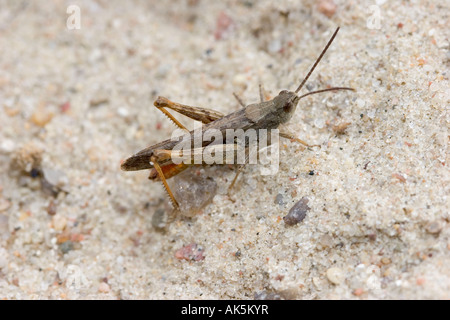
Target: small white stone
pixel 335 275
pixel 360 267
pixel 317 283
pixel 435 86
pixel 123 112
pixel 240 80
pixel 54 177
pixel 373 53
pixel 373 282
pixel 7 146
pixel 319 123
pixel 360 103
pixel 59 222
pixel 274 46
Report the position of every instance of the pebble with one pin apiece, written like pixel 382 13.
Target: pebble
pixel 279 199
pixel 373 282
pixel 7 146
pixel 59 222
pixel 297 212
pixel 103 287
pixel 335 275
pixel 223 25
pixel 435 86
pixel 326 241
pixel 123 112
pixel 190 252
pixel 99 98
pixel 327 7
pixel 240 80
pixel 41 117
pixel 319 123
pixel 433 227
pixel 358 292
pixel 318 283
pixel 54 177
pixel 360 103
pixel 12 111
pixel 66 246
pixel 158 219
pixel 266 295
pixel 65 107
pixel 275 46
pixel 51 208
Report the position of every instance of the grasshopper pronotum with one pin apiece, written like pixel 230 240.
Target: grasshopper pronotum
pixel 262 115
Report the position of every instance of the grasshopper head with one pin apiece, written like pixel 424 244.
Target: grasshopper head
pixel 286 103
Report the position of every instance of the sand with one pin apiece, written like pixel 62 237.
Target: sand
pixel 74 103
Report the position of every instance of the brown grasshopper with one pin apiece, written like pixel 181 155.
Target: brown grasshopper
pixel 263 115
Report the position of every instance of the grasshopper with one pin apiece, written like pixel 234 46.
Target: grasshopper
pixel 263 115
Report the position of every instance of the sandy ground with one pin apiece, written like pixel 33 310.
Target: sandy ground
pixel 75 102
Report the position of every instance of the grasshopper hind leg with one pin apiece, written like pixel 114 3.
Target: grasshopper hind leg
pixel 196 113
pixel 160 174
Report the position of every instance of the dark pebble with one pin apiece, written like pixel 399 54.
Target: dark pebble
pixel 297 212
pixel 279 199
pixel 265 295
pixel 66 246
pixel 158 219
pixel 34 173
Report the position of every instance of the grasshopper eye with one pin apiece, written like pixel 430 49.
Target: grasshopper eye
pixel 283 92
pixel 287 107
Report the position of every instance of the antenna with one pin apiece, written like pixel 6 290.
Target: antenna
pixel 325 90
pixel 318 60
